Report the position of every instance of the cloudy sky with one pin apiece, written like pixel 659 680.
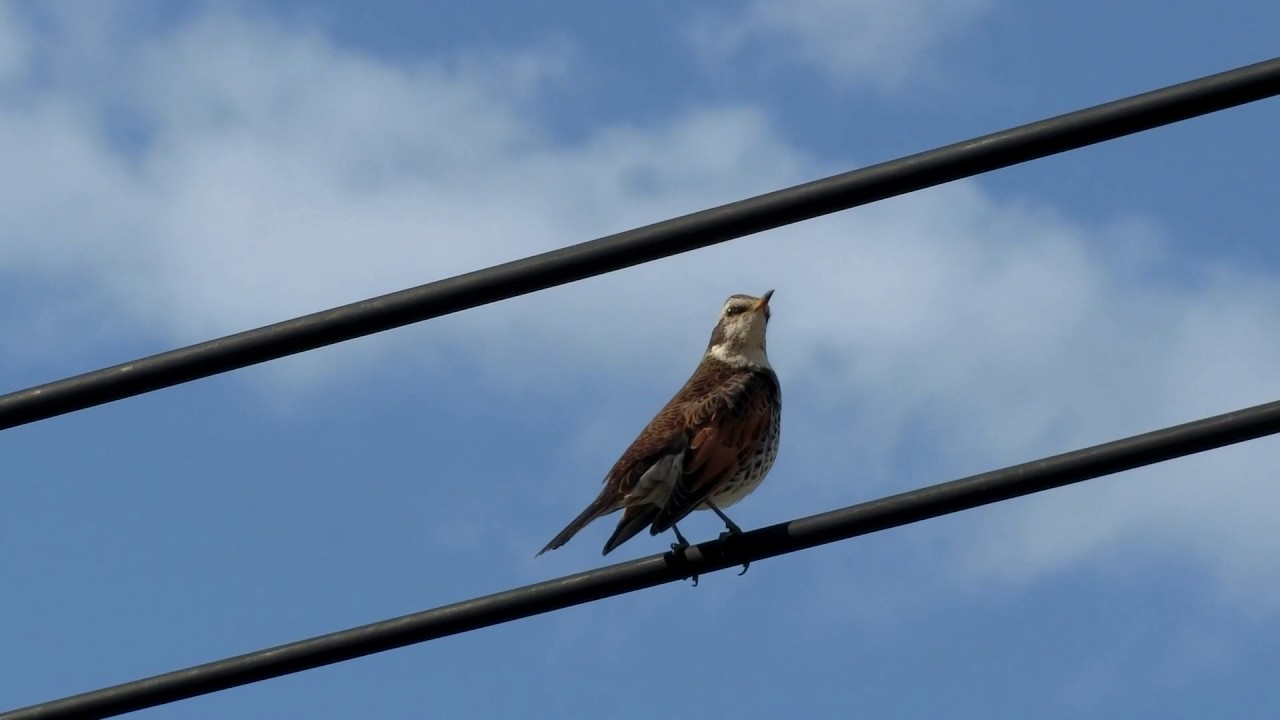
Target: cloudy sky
pixel 174 171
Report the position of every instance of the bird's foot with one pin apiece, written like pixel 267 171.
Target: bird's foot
pixel 728 535
pixel 731 532
pixel 678 547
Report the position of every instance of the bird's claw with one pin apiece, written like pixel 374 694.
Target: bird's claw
pixel 732 532
pixel 677 548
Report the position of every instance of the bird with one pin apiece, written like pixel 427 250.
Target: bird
pixel 710 446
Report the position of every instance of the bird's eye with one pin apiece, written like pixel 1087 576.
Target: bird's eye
pixel 735 310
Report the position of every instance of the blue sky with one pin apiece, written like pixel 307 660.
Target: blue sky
pixel 176 171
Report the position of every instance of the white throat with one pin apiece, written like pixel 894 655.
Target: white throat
pixel 738 357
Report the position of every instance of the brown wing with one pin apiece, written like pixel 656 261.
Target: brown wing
pixel 671 430
pixel 725 428
pixel 665 435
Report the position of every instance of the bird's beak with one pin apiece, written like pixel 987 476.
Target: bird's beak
pixel 763 302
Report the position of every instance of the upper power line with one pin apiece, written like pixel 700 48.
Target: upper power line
pixel 614 252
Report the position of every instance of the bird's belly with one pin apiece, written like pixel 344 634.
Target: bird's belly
pixel 739 487
pixel 750 476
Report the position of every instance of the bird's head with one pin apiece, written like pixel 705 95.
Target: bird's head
pixel 738 338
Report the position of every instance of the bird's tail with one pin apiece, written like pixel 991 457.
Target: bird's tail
pixel 602 505
pixel 635 519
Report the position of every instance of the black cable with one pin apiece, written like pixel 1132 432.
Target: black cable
pixel 614 252
pixel 890 512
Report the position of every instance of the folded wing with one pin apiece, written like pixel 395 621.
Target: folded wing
pixel 726 428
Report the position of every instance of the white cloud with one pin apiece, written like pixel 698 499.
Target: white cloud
pixel 945 332
pixel 984 335
pixel 876 42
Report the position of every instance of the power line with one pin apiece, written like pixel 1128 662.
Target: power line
pixel 788 537
pixel 614 252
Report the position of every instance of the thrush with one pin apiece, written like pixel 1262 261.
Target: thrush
pixel 709 447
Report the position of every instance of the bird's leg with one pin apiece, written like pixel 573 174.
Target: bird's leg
pixel 681 544
pixel 732 530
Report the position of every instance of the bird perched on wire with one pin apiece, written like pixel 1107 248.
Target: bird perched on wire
pixel 709 447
